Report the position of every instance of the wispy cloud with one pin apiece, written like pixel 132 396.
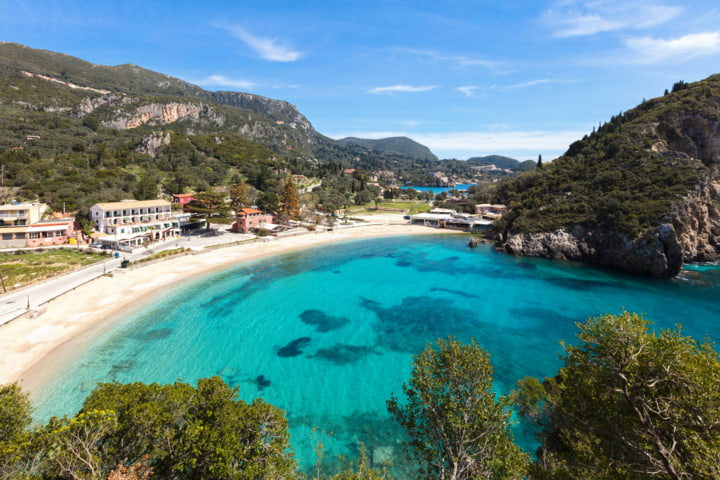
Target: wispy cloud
pixel 571 18
pixel 267 48
pixel 528 84
pixel 683 48
pixel 226 82
pixel 467 90
pixel 460 60
pixel 401 89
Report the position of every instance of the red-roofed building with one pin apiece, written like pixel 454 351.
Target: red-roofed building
pixel 250 219
pixel 183 198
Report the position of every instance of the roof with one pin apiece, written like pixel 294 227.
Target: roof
pixel 248 211
pixel 183 195
pixel 132 204
pixel 22 206
pixel 47 228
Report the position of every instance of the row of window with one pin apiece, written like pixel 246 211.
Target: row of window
pixel 32 235
pixel 139 211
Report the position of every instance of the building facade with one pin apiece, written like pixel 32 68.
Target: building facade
pixel 58 231
pixel 133 223
pixel 250 220
pixel 15 219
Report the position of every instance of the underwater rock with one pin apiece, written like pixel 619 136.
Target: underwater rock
pixel 342 354
pixel 294 348
pixel 262 382
pixel 322 321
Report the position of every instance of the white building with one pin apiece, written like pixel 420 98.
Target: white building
pixel 132 223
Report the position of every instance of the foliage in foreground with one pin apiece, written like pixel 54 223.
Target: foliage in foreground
pixel 457 429
pixel 628 403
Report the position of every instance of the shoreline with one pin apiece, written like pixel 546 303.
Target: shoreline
pixel 34 350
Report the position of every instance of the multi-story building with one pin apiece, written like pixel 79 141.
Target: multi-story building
pixel 15 219
pixel 133 223
pixel 251 220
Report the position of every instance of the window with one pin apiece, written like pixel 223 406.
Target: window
pixel 31 235
pixel 7 236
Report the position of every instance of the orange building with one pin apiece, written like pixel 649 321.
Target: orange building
pixel 250 219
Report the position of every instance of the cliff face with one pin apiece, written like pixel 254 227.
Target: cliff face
pixel 696 220
pixel 665 139
pixel 658 255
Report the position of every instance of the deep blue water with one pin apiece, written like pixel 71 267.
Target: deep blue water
pixel 328 333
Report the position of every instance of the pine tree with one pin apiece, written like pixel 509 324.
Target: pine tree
pixel 289 203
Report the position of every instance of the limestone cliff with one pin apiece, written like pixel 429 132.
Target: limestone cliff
pixel 641 195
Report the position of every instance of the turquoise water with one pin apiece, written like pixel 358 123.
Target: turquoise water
pixel 328 333
pixel 436 190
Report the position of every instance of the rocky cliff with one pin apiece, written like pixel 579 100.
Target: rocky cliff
pixel 641 195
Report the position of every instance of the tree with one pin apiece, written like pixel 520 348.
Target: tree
pixel 240 195
pixel 147 186
pixel 457 429
pixel 289 202
pixel 209 205
pixel 539 162
pixel 202 432
pixel 632 403
pixel 15 411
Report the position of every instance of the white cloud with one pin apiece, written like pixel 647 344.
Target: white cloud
pixel 587 17
pixel 531 83
pixel 226 82
pixel 266 48
pixel 682 48
pixel 401 88
pixel 467 90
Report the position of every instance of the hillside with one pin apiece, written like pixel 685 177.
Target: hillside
pixel 640 194
pixel 499 161
pixel 73 133
pixel 393 145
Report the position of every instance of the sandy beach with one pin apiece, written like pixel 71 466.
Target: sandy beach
pixel 34 349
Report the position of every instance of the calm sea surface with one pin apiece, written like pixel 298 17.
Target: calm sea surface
pixel 327 334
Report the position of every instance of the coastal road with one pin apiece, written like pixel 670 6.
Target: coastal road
pixel 31 298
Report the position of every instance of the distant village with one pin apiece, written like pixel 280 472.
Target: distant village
pixel 131 224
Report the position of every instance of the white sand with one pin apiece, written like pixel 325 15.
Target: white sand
pixel 33 349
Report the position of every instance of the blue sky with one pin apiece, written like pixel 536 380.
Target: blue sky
pixel 465 78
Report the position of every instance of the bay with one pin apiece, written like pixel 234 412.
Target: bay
pixel 328 334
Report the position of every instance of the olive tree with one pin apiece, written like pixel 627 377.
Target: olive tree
pixel 457 427
pixel 631 403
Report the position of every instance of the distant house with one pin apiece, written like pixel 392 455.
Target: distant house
pixel 251 220
pixel 15 219
pixel 492 212
pixel 132 223
pixel 183 199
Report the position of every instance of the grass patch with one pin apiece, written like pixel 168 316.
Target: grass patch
pixel 24 267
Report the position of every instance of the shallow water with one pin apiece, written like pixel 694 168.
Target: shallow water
pixel 328 333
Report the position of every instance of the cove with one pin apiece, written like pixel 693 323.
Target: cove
pixel 327 334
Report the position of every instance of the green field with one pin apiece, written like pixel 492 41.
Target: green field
pixel 24 267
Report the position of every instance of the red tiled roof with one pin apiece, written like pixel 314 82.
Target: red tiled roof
pixel 248 211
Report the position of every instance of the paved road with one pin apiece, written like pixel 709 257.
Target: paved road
pixel 17 302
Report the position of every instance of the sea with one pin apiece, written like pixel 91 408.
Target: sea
pixel 436 190
pixel 328 334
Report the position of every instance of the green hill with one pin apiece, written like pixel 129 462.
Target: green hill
pixel 640 194
pixel 393 145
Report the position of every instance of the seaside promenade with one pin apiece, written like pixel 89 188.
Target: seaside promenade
pixel 30 300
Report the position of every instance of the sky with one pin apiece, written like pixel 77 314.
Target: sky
pixel 465 78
